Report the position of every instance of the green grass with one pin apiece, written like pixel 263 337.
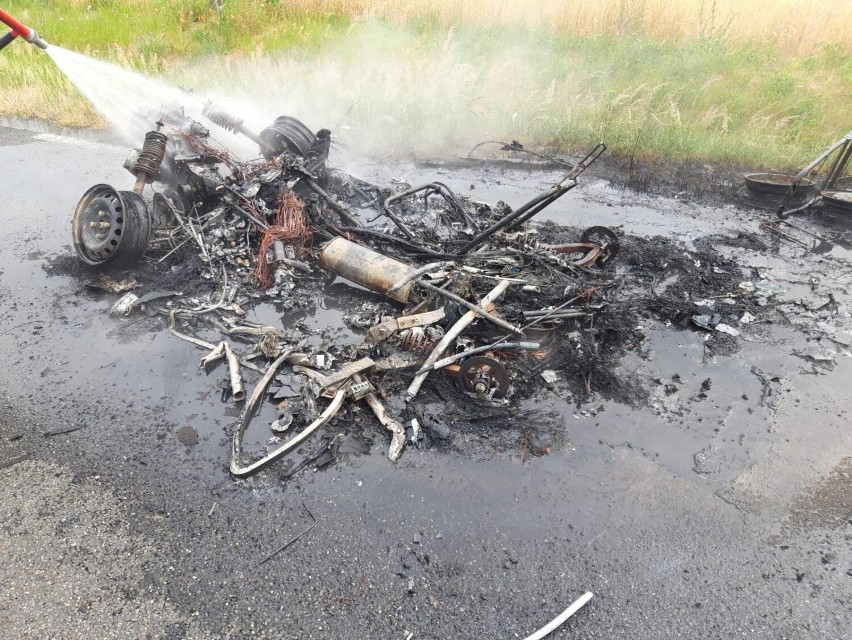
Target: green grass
pixel 426 86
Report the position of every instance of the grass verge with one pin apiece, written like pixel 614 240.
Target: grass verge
pixel 427 78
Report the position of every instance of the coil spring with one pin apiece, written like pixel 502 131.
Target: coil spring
pixel 416 340
pixel 153 152
pixel 219 116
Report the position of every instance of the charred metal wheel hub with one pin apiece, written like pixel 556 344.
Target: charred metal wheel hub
pixel 837 207
pixel 484 377
pixel 772 190
pixel 110 226
pixel 606 238
pixel 287 134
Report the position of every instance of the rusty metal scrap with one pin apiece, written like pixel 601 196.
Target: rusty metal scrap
pixel 381 332
pixel 238 390
pixel 812 188
pixel 392 425
pixel 368 268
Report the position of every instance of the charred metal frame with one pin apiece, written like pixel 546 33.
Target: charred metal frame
pixel 843 147
pixel 539 203
pixel 431 188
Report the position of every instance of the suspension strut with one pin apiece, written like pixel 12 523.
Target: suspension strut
pixel 230 122
pixel 150 158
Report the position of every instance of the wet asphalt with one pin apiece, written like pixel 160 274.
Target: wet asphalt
pixel 722 516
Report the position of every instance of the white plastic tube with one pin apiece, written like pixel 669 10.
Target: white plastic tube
pixel 557 622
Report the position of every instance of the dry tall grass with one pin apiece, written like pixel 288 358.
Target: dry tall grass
pixel 394 92
pixel 760 82
pixel 796 27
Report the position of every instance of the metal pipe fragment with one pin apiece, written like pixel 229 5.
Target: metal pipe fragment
pixel 816 161
pixel 279 256
pixel 508 219
pixel 7 38
pixel 236 467
pixel 238 389
pixel 531 213
pixel 805 231
pixel 339 208
pixel 426 268
pixel 556 310
pixel 397 221
pixel 505 346
pixel 204 344
pixel 537 204
pixel 507 326
pixel 785 213
pixel 371 269
pixel 555 314
pixel 139 185
pixel 296 264
pixel 839 167
pixel 487 303
pixel 431 188
pixel 18 29
pixel 400 241
pixel 214 356
pixel 398 437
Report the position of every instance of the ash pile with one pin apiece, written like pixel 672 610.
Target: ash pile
pixel 458 302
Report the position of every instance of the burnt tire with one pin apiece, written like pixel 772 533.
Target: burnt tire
pixel 111 227
pixel 287 134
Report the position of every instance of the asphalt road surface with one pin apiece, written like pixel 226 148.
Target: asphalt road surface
pixel 112 527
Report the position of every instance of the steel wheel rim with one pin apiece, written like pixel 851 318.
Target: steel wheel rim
pixel 99 224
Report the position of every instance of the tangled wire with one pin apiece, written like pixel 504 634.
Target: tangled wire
pixel 291 228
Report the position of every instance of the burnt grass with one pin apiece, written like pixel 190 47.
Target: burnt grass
pixel 689 179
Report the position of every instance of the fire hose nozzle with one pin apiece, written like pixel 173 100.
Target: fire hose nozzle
pixel 19 30
pixel 36 39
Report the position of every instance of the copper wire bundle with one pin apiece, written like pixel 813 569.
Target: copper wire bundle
pixel 291 227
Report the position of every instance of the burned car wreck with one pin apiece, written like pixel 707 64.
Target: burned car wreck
pixel 464 303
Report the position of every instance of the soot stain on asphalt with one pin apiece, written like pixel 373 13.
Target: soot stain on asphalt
pixel 658 279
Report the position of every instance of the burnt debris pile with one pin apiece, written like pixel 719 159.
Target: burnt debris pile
pixel 458 303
